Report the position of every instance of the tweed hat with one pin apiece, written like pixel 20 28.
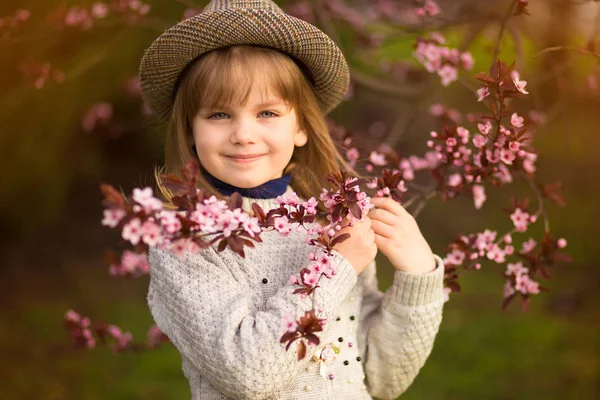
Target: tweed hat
pixel 225 23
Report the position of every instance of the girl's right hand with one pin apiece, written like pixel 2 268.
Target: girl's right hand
pixel 360 248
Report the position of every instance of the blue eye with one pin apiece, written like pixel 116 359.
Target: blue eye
pixel 217 115
pixel 272 114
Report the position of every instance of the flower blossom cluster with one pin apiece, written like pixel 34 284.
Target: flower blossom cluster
pixel 522 282
pixel 426 8
pixel 12 21
pixel 443 60
pixel 99 113
pixel 132 264
pixel 39 73
pixel 80 329
pixel 83 335
pixel 84 17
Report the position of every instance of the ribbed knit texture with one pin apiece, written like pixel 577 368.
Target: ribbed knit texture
pixel 225 321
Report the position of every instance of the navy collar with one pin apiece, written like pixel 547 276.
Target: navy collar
pixel 268 190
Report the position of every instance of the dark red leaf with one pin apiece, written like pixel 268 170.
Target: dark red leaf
pixel 301 350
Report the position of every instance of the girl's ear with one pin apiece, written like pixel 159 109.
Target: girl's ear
pixel 300 138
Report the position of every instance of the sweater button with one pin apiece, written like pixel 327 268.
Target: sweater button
pixel 338 319
pixel 351 381
pixel 340 339
pixel 265 280
pixel 358 359
pixel 352 318
pixel 346 362
pixel 330 376
pixel 364 387
pixel 308 388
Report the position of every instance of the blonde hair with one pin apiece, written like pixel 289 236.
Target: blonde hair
pixel 225 77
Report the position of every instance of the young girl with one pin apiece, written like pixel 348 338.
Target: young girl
pixel 244 89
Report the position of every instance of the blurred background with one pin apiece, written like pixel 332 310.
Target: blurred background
pixel 71 118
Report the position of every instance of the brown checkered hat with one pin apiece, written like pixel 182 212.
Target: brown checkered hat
pixel 229 22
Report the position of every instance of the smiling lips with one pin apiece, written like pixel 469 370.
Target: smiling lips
pixel 244 158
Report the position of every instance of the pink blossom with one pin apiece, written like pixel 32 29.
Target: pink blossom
pixel 132 231
pixel 561 243
pixel 288 323
pixel 528 245
pixel 282 225
pixel 482 93
pixel 145 198
pixel 496 254
pixel 154 336
pixel 293 280
pixel 448 74
pixel 227 222
pixel 479 140
pixel 377 159
pixel 251 226
pixel 454 180
pixel 151 233
pixel 352 154
pixel 169 221
pixel 525 284
pixel 529 162
pixel 520 219
pixel 479 196
pixel 72 316
pixel 485 128
pixel 516 268
pixel 437 110
pixel 311 278
pixel 457 257
pixel 493 156
pixel 112 217
pixel 289 199
pixel 503 174
pixel 311 206
pixel 467 60
pixel 516 120
pixel 508 289
pixel 507 156
pixel 519 84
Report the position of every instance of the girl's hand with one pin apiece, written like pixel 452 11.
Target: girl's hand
pixel 399 238
pixel 360 248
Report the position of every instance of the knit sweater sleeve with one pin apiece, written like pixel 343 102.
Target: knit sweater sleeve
pixel 206 310
pixel 398 328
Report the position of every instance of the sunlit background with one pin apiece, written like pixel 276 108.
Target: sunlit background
pixel 71 118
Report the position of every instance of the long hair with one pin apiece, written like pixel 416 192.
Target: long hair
pixel 225 77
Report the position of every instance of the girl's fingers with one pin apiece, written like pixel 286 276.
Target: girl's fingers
pixel 380 241
pixel 382 229
pixel 383 216
pixel 389 205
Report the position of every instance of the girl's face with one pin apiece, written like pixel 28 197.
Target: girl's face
pixel 247 145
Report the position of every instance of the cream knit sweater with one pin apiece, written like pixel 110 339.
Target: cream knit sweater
pixel 223 314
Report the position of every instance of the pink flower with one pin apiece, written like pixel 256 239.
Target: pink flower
pixel 132 231
pixel 282 225
pixel 479 140
pixel 507 156
pixel 457 257
pixel 288 199
pixel 454 180
pixel 516 121
pixel 99 10
pixel 72 316
pixel 519 84
pixel 485 128
pixel 493 156
pixel 479 196
pixel 154 336
pixel 251 226
pixel 288 322
pixel 466 60
pixel 482 93
pixel 151 233
pixel 508 289
pixel 377 159
pixel 169 221
pixel 294 280
pixel 528 245
pixel 520 220
pixel 448 74
pixel 145 199
pixel 113 216
pixel 496 254
pixel 516 269
pixel 227 223
pixel 311 206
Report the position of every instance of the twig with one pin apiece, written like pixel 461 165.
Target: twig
pixel 503 23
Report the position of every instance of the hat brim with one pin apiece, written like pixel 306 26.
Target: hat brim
pixel 169 54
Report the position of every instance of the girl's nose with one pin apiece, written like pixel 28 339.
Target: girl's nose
pixel 243 133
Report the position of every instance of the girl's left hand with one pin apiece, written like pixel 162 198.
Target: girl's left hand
pixel 399 238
